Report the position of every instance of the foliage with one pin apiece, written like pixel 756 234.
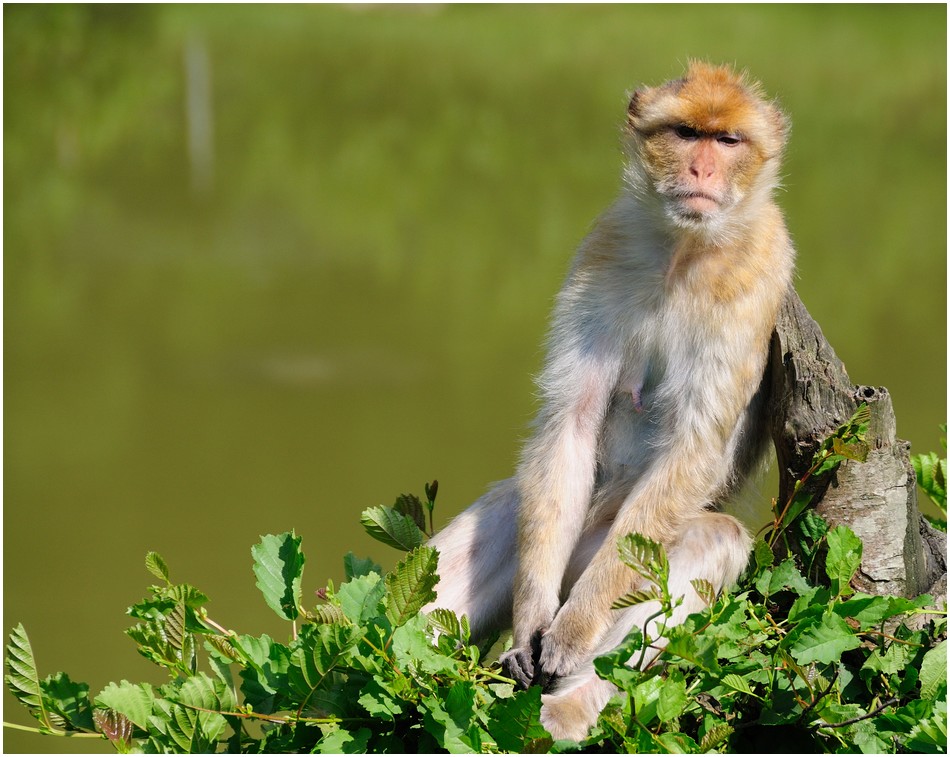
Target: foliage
pixel 803 659
pixel 931 470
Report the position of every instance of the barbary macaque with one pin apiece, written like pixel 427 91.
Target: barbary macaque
pixel 652 397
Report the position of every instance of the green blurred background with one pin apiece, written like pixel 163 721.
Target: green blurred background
pixel 268 266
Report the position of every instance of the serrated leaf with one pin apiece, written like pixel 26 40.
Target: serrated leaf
pixel 359 598
pixel 69 701
pixel 354 567
pixel 309 665
pixel 411 648
pixel 763 554
pixel 134 701
pixel 115 727
pixel 446 622
pixel 714 737
pixel 343 741
pixel 931 472
pixel 157 566
pixel 933 671
pixel 278 565
pixel 328 614
pixel 390 527
pixel 22 678
pixel 205 693
pixel 411 506
pixel 515 723
pixel 222 647
pixel 410 584
pixel 635 598
pixel 645 556
pixel 672 700
pixel 379 700
pixel 824 641
pixel 736 683
pixel 704 589
pixel 844 558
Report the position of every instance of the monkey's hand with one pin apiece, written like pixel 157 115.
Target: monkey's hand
pixel 568 642
pixel 521 663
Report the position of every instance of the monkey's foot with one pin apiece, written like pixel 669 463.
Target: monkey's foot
pixel 563 648
pixel 566 718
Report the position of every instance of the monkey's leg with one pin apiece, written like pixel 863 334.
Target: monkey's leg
pixel 478 559
pixel 714 547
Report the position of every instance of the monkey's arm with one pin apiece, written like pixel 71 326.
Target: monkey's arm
pixel 556 476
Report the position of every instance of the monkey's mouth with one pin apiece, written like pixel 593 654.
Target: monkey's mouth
pixel 697 203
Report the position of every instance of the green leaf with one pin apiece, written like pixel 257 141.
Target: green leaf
pixel 823 641
pixel 309 665
pixel 931 472
pixel 763 554
pixel 646 697
pixel 68 702
pixel 390 527
pixel 157 566
pixel 380 701
pixel 844 558
pixel 342 741
pixel 410 506
pixel 672 700
pixel 328 614
pixel 933 671
pixel 515 723
pixel 22 678
pixel 411 646
pixel 736 683
pixel 448 623
pixel 410 584
pixel 134 701
pixel 929 735
pixel 450 720
pixel 645 556
pixel 715 736
pixel 354 567
pixel 359 598
pixel 278 565
pixel 636 597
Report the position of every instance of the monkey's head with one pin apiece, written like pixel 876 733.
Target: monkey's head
pixel 706 147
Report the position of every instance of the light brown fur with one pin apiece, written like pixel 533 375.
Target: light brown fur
pixel 651 409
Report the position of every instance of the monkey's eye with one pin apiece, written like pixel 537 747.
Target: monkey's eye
pixel 685 132
pixel 730 140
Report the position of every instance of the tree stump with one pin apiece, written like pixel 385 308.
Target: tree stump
pixel 810 396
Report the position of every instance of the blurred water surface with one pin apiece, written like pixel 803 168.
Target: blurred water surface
pixel 268 266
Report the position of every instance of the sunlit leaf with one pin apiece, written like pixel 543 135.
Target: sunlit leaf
pixel 410 584
pixel 134 701
pixel 22 678
pixel 278 565
pixel 390 527
pixel 157 566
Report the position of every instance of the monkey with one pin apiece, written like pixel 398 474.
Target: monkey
pixel 652 396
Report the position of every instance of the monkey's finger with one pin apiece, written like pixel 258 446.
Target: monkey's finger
pixel 518 665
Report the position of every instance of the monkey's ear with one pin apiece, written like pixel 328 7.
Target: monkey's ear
pixel 635 107
pixel 779 122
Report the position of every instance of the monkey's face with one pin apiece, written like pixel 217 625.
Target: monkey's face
pixel 704 145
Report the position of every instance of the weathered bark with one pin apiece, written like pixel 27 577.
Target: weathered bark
pixel 811 395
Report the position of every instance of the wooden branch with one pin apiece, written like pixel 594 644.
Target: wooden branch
pixel 811 395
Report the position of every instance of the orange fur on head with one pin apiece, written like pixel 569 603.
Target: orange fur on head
pixel 710 99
